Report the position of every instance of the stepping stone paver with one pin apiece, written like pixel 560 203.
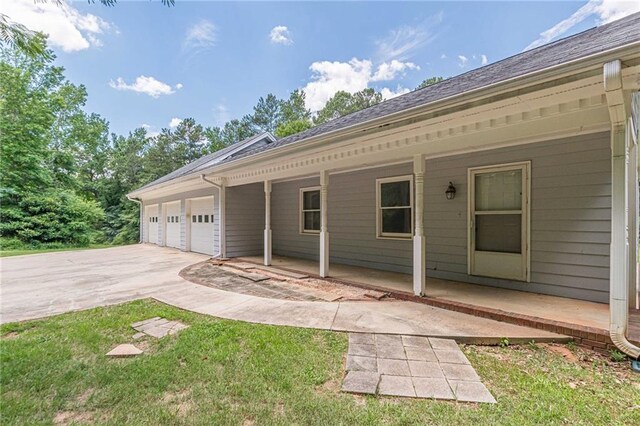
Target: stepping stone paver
pixel 396 386
pixel 361 382
pixel 393 367
pixel 411 366
pixel 426 369
pixel 426 387
pixel 451 356
pixel 362 338
pixel 283 272
pixel 362 350
pixel 420 354
pixel 361 363
pixel 471 392
pixel 124 350
pixel 157 327
pixel 416 341
pixel 243 265
pixel 459 372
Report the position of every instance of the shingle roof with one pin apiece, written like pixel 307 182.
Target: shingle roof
pixel 586 43
pixel 595 40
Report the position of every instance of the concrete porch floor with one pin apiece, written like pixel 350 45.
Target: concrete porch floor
pixel 571 311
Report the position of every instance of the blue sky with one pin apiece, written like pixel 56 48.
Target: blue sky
pixel 146 64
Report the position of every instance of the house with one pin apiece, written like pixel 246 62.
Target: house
pixel 521 174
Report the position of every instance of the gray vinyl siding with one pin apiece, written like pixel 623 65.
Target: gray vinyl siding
pixel 245 220
pixel 183 197
pixel 570 216
pixel 285 221
pixel 351 222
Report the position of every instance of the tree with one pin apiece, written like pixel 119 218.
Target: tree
pixel 429 81
pixel 343 103
pixel 292 127
pixel 267 114
pixel 294 108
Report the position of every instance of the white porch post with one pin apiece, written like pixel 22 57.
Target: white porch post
pixel 632 215
pixel 419 243
pixel 223 216
pixel 324 231
pixel 267 222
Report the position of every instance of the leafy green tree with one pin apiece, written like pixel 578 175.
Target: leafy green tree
pixel 429 81
pixel 294 109
pixel 292 127
pixel 267 114
pixel 237 130
pixel 343 103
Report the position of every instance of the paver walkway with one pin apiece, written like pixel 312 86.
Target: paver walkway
pixel 411 366
pixel 48 284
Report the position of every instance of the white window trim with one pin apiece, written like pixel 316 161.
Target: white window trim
pixel 391 235
pixel 301 211
pixel 525 166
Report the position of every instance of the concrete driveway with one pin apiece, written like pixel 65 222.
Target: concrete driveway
pixel 47 284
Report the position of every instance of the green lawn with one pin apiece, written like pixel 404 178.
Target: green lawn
pixel 20 252
pixel 227 372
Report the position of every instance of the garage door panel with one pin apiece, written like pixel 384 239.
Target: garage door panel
pixel 202 225
pixel 151 221
pixel 172 224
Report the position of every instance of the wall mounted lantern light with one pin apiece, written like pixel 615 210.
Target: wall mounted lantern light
pixel 450 192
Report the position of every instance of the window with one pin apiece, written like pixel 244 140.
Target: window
pixel 310 210
pixel 395 207
pixel 193 218
pixel 206 218
pixel 199 218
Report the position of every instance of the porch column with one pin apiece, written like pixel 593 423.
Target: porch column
pixel 632 215
pixel 267 222
pixel 223 219
pixel 419 244
pixel 324 231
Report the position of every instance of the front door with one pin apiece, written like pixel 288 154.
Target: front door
pixel 499 221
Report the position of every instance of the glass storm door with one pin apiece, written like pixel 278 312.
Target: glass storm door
pixel 499 224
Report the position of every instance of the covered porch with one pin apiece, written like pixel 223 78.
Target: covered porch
pixel 569 316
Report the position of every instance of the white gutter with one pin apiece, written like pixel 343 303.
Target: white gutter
pixel 137 200
pixel 619 277
pixel 222 221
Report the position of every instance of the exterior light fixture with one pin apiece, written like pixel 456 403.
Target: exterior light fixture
pixel 450 192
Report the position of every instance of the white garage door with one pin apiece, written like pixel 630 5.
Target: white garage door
pixel 202 228
pixel 151 224
pixel 172 218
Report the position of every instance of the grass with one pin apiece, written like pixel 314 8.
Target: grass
pixel 23 251
pixel 227 372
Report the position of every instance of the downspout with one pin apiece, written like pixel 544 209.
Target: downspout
pixel 619 284
pixel 221 224
pixel 141 225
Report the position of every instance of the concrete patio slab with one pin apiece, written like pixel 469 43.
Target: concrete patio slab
pixel 471 392
pixel 420 354
pixel 426 369
pixel 361 363
pixel 396 386
pixel 393 367
pixel 361 382
pixel 432 388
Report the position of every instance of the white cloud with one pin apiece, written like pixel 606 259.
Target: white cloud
pixel 68 29
pixel 353 76
pixel 402 42
pixel 390 70
pixel 200 36
pixel 175 122
pixel 462 61
pixel 143 84
pixel 389 94
pixel 179 86
pixel 604 10
pixel 281 35
pixel 484 59
pixel 151 131
pixel 443 56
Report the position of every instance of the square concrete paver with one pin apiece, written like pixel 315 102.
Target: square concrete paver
pixel 362 349
pixel 472 392
pixel 123 351
pixel 361 363
pixel 415 341
pixel 157 327
pixel 426 369
pixel 451 356
pixel 411 366
pixel 420 354
pixel 361 382
pixel 396 386
pixel 362 338
pixel 459 372
pixel 426 387
pixel 393 367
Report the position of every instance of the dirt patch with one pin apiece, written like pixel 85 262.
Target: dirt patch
pixel 178 402
pixel 562 350
pixel 69 417
pixel 10 335
pixel 84 396
pixel 278 286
